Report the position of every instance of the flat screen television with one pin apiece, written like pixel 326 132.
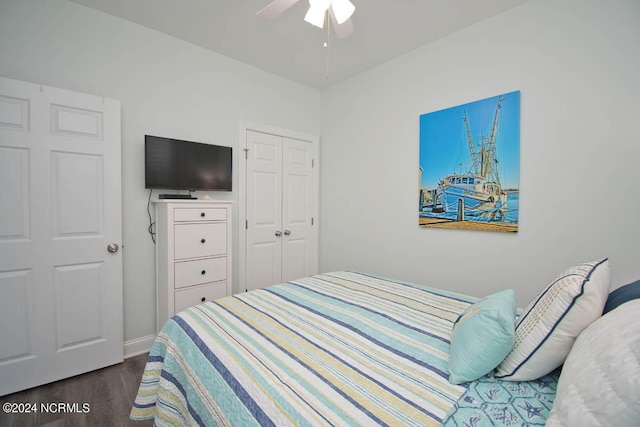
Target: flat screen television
pixel 184 165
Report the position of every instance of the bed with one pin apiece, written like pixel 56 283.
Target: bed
pixel 342 348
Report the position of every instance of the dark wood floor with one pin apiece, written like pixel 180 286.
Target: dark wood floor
pixel 109 392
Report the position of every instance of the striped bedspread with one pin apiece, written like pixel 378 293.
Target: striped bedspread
pixel 336 349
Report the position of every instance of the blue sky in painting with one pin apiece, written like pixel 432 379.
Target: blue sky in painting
pixel 443 139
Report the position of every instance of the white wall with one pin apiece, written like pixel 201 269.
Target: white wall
pixel 577 65
pixel 166 87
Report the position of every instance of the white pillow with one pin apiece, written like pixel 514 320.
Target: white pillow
pixel 600 381
pixel 551 322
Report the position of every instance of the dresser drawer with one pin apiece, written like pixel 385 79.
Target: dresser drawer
pixel 188 297
pixel 200 240
pixel 189 273
pixel 199 214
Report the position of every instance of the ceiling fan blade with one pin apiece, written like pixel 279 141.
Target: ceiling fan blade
pixel 342 30
pixel 275 8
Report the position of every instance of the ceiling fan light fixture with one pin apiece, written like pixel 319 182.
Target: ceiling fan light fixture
pixel 315 16
pixel 342 9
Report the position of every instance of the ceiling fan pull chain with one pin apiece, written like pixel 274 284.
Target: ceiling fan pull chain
pixel 326 43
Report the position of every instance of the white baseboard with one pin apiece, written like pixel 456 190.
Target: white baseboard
pixel 138 346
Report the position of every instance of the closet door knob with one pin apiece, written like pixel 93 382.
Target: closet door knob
pixel 278 233
pixel 202 241
pixel 287 232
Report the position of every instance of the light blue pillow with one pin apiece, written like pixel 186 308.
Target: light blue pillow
pixel 482 337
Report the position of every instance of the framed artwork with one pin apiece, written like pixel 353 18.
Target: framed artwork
pixel 470 165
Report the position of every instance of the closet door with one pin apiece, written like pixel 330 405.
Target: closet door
pixel 298 233
pixel 281 195
pixel 60 227
pixel 264 210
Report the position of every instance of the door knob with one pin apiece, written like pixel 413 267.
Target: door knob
pixel 278 233
pixel 287 232
pixel 112 248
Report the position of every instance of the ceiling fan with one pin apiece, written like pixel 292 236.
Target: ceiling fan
pixel 319 13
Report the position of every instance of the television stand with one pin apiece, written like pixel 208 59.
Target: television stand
pixel 177 196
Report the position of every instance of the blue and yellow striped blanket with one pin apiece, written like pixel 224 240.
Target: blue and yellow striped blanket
pixel 336 349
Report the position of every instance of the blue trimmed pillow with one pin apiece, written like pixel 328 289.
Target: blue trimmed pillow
pixel 621 295
pixel 551 322
pixel 482 336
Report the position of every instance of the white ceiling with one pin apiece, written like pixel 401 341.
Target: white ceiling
pixel 289 47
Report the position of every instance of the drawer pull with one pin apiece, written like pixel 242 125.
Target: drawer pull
pixel 202 241
pixel 203 299
pixel 202 214
pixel 203 272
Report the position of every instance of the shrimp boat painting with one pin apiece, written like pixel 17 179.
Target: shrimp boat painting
pixel 480 142
pixel 480 191
pixel 477 195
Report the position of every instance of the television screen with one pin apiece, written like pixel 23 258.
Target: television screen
pixel 185 165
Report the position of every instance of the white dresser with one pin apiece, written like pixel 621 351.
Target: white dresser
pixel 193 254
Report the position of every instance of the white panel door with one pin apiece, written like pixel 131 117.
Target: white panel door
pixel 298 235
pixel 264 210
pixel 60 288
pixel 281 195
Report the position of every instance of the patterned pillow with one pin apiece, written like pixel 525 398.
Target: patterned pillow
pixel 482 336
pixel 551 322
